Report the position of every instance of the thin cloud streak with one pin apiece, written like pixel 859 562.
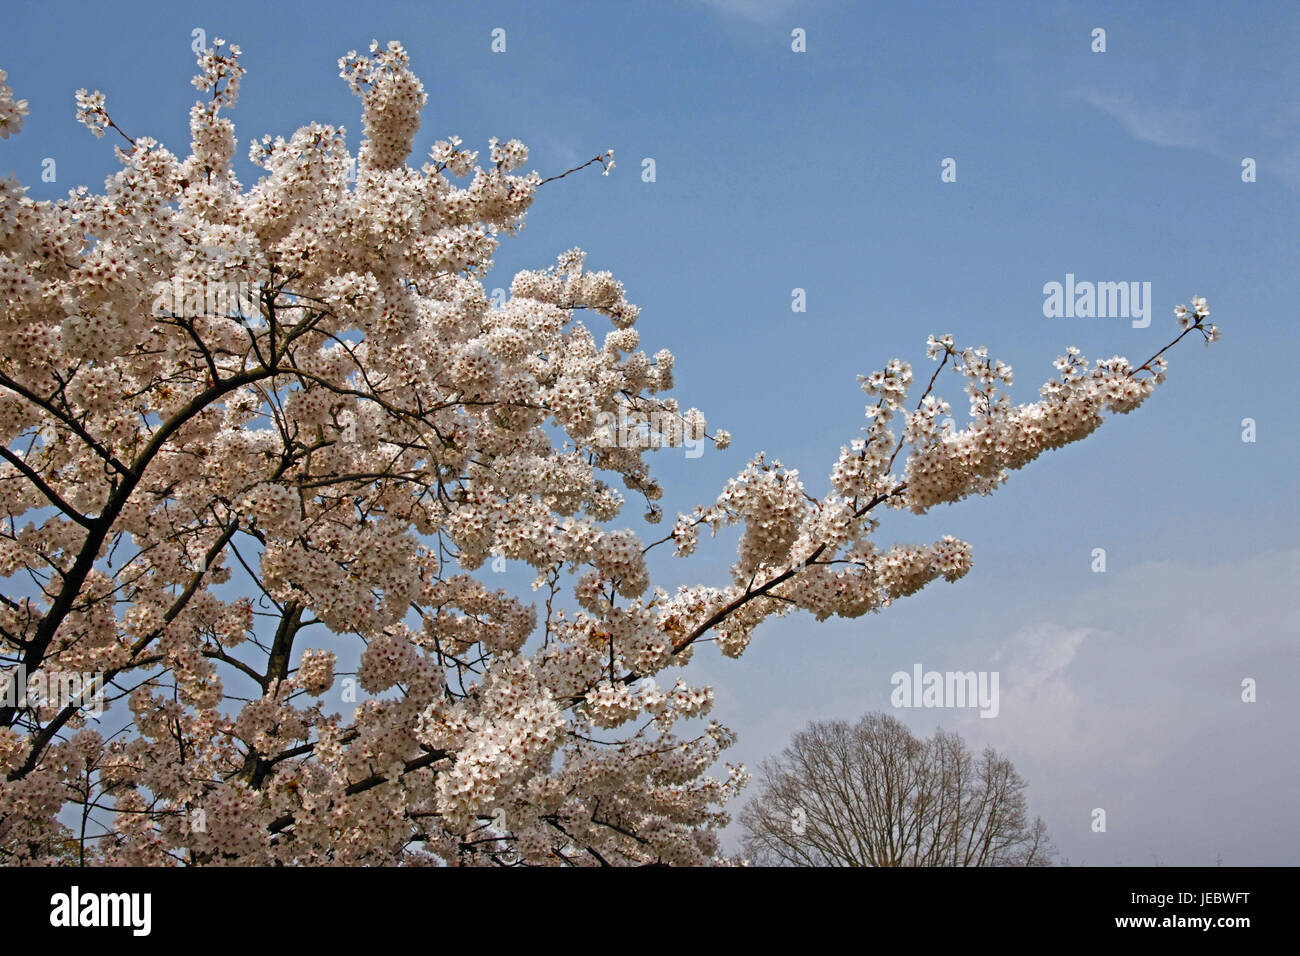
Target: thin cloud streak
pixel 1179 127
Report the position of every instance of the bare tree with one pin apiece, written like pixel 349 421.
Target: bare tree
pixel 873 794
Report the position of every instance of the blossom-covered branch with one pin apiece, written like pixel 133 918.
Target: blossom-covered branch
pixel 250 432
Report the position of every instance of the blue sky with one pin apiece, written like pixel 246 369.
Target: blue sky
pixel 820 170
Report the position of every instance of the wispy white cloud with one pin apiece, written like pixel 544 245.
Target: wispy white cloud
pixel 1209 128
pixel 757 11
pixel 564 149
pixel 1140 712
pixel 1035 664
pixel 1160 125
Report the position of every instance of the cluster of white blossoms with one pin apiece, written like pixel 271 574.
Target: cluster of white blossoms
pixel 220 504
pixel 946 464
pixel 11 111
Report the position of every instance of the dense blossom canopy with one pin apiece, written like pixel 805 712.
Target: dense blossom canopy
pixel 242 427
